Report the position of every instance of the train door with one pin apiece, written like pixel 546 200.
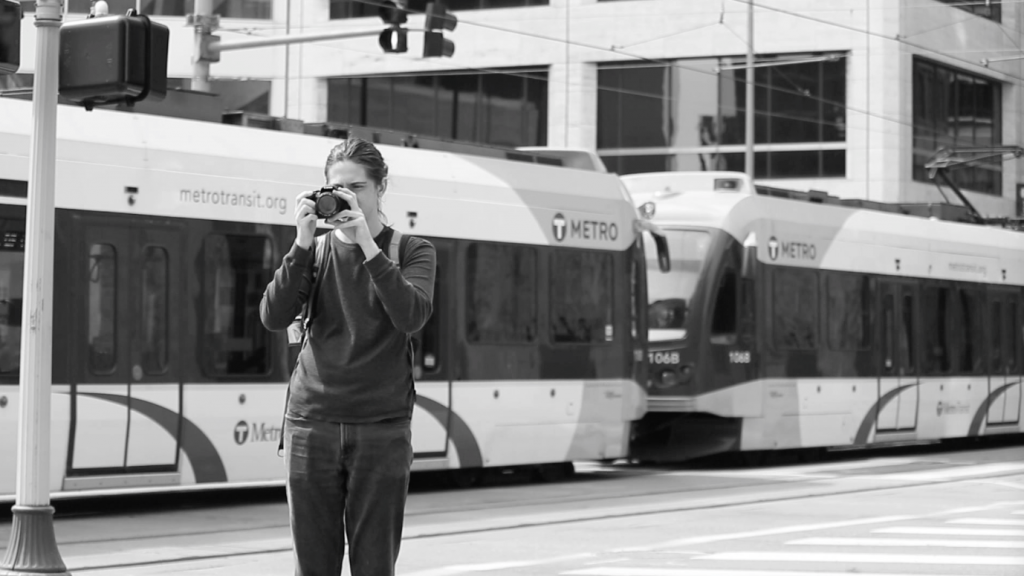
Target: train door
pixel 1004 381
pixel 898 373
pixel 126 403
pixel 432 365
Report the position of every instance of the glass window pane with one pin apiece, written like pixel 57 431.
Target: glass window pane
pixel 795 308
pixel 803 163
pixel 378 102
pixel 236 270
pixel 833 106
pixel 414 102
pixel 693 104
pixel 723 320
pixel 155 321
pixel 351 9
pixel 609 107
pixel 502 104
pixel 581 297
pixel 907 332
pixel 794 113
pixel 102 316
pixel 501 282
pixel 996 329
pixel 535 111
pixel 12 270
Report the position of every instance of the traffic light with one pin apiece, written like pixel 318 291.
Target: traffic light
pixel 394 38
pixel 113 59
pixel 438 18
pixel 10 36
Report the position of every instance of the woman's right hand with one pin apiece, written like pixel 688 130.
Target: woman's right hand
pixel 305 220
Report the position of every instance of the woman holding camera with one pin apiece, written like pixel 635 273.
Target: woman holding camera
pixel 347 435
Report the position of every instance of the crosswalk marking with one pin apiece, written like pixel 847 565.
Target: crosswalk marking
pixel 942 559
pixel 950 473
pixel 494 566
pixel 929 531
pixel 617 571
pixel 987 521
pixel 909 542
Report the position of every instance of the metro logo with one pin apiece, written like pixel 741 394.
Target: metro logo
pixel 791 250
pixel 563 227
pixel 256 432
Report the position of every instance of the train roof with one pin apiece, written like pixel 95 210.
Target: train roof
pixel 190 169
pixel 847 237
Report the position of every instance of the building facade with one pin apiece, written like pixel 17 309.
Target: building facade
pixel 854 96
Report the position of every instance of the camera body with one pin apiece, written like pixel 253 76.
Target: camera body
pixel 328 203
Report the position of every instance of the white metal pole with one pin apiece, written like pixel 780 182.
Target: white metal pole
pixel 33 547
pixel 748 155
pixel 201 67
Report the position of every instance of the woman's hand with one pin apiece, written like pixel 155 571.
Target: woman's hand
pixel 305 220
pixel 352 223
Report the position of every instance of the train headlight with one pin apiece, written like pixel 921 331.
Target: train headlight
pixel 647 210
pixel 668 379
pixel 686 376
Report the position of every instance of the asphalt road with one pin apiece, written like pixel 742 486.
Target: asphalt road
pixel 917 511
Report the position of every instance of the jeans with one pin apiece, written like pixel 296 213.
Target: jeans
pixel 347 480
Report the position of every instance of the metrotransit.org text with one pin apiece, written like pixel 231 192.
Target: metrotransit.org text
pixel 222 198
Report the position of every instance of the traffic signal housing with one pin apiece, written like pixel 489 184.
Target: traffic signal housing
pixel 10 36
pixel 394 38
pixel 434 42
pixel 113 59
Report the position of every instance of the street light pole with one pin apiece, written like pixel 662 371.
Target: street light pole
pixel 33 546
pixel 748 155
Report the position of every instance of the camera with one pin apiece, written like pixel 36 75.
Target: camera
pixel 327 202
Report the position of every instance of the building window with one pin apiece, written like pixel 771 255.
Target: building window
pixel 358 9
pixel 507 110
pixel 253 9
pixel 581 297
pixel 956 109
pixel 236 270
pixel 235 95
pixel 501 294
pixel 687 115
pixel 990 9
pixel 795 309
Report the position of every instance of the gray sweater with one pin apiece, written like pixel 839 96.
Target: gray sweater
pixel 356 365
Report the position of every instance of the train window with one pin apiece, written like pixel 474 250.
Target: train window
pixel 848 312
pixel 939 334
pixel 1012 336
pixel 501 293
pixel 888 311
pixel 906 340
pixel 997 336
pixel 723 320
pixel 972 311
pixel 155 329
pixel 795 308
pixel 12 270
pixel 581 297
pixel 102 309
pixel 236 270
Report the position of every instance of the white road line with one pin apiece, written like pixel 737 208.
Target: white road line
pixel 929 531
pixel 943 559
pixel 810 471
pixel 909 542
pixel 609 571
pixel 766 532
pixel 987 522
pixel 492 566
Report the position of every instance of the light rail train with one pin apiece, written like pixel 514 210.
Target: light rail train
pixel 168 231
pixel 799 320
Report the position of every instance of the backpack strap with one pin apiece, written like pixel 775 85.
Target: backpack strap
pixel 396 247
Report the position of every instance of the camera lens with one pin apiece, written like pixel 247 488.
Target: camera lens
pixel 327 204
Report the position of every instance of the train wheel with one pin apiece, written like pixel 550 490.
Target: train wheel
pixel 555 472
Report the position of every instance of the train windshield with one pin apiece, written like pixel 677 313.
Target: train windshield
pixel 12 267
pixel 669 293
